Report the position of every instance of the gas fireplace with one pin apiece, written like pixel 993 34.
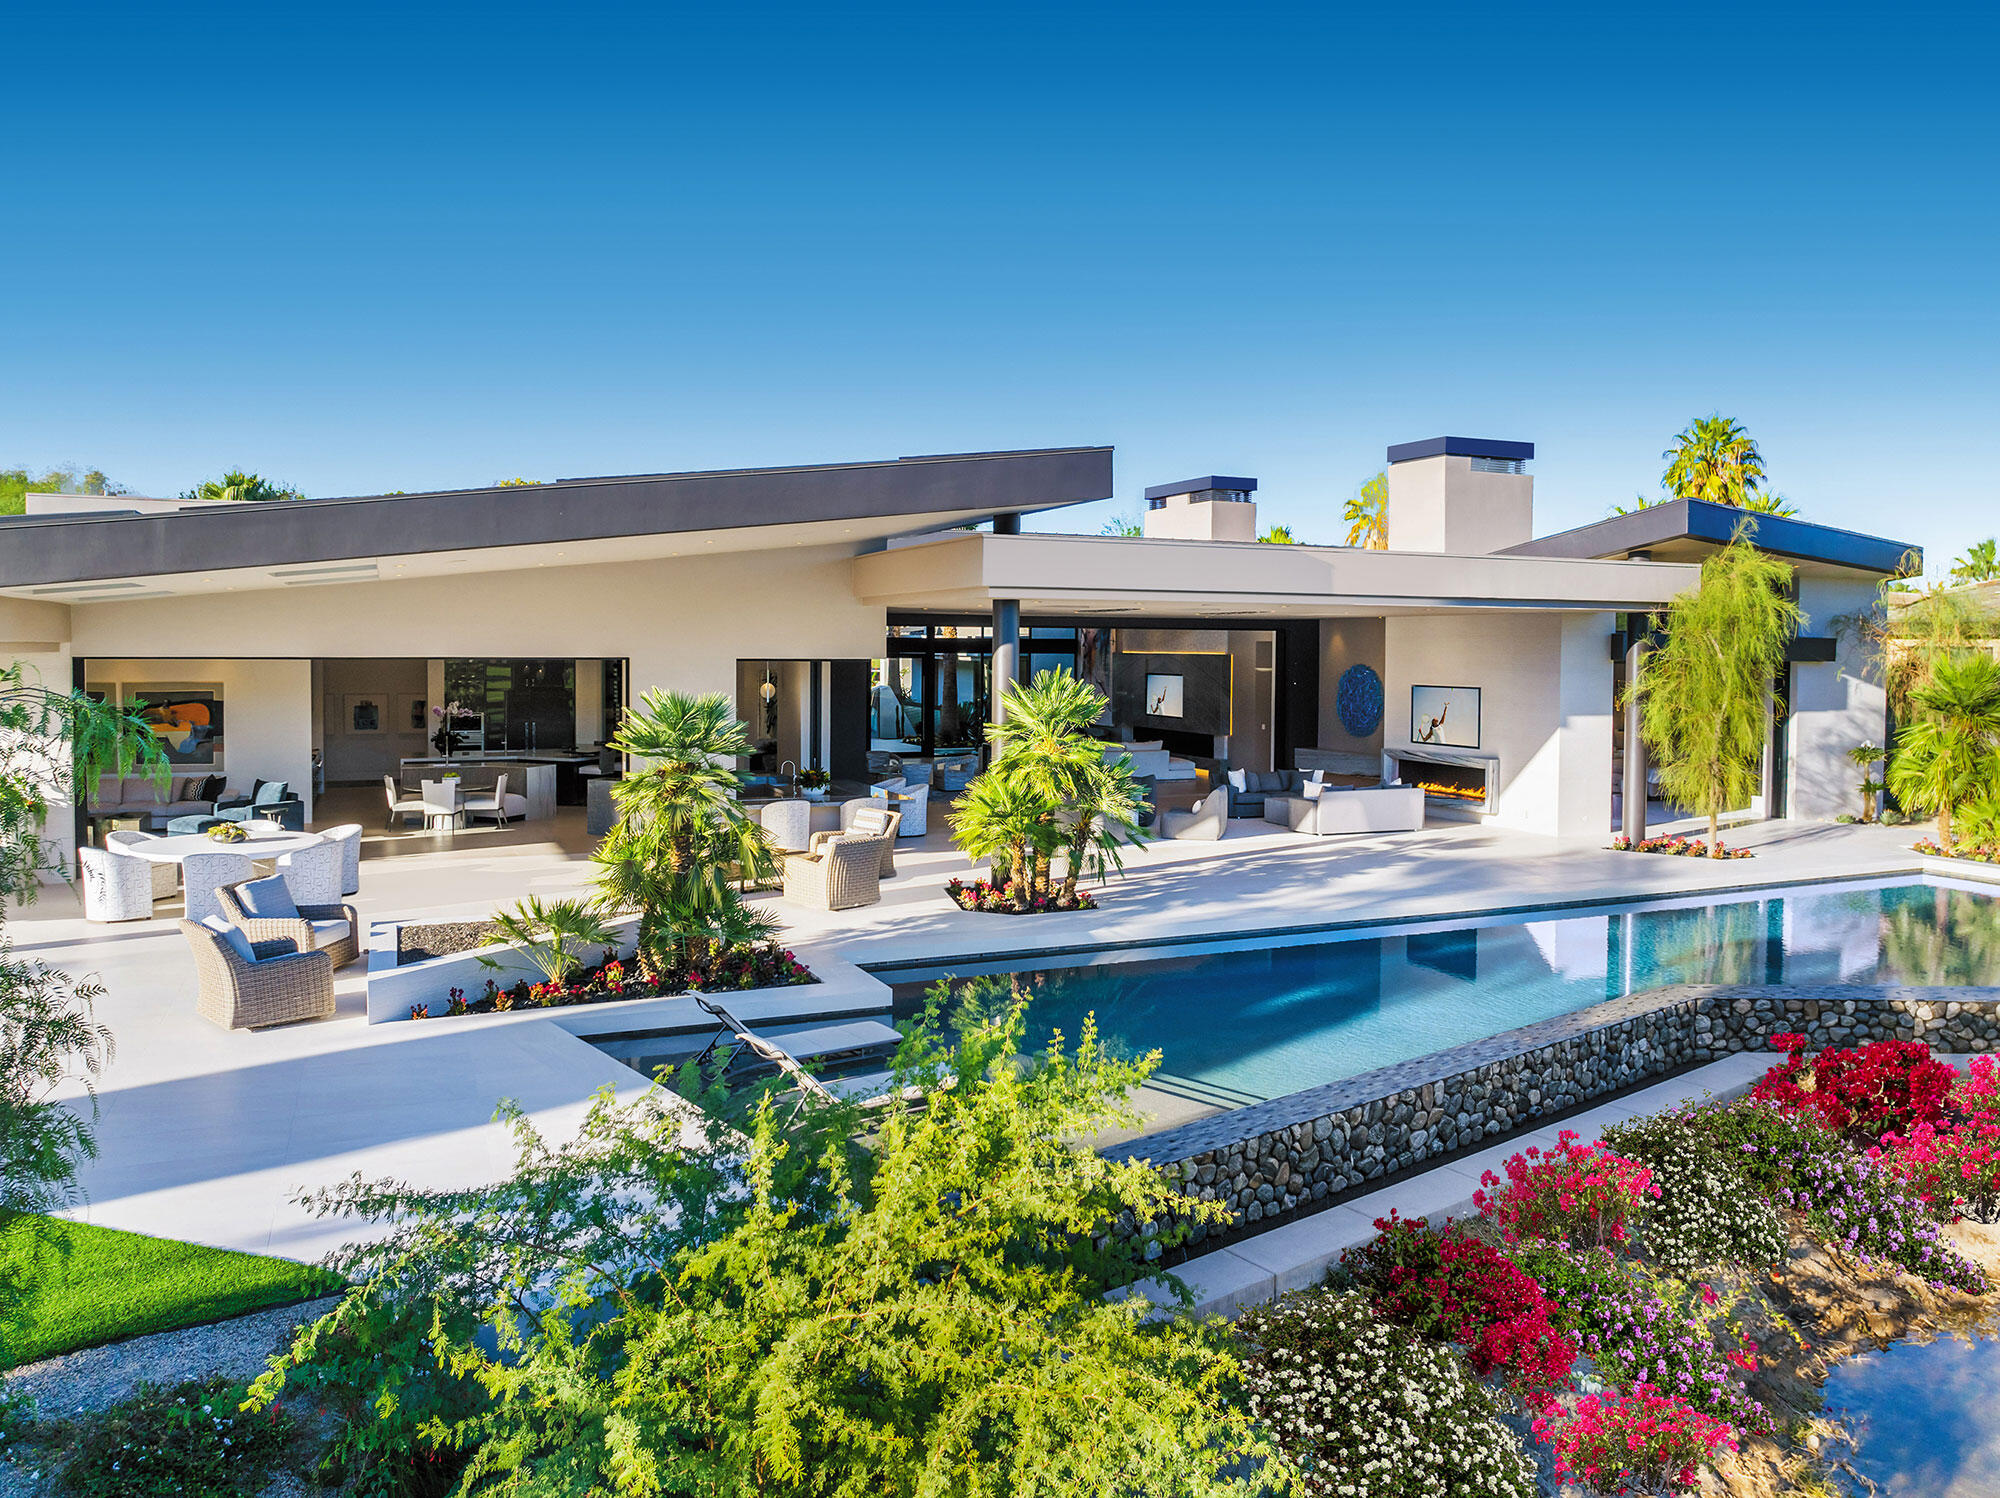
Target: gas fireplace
pixel 1461 784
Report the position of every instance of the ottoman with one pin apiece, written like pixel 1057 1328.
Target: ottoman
pixel 199 823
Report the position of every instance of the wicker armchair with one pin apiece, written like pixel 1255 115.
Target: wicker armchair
pixel 311 930
pixel 841 873
pixel 884 827
pixel 282 985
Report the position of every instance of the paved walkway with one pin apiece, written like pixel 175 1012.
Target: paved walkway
pixel 209 1135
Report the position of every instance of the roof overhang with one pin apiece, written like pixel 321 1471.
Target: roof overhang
pixel 1090 575
pixel 61 557
pixel 1687 530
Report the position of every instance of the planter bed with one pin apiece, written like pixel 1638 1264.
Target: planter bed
pixel 982 897
pixel 1679 847
pixel 765 967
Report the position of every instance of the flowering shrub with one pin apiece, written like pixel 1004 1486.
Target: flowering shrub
pixel 191 1441
pixel 981 895
pixel 1865 1090
pixel 1853 1204
pixel 1449 1285
pixel 1576 1193
pixel 1977 852
pixel 1955 1168
pixel 1636 1330
pixel 1363 1409
pixel 708 967
pixel 1641 1441
pixel 1678 847
pixel 1701 1218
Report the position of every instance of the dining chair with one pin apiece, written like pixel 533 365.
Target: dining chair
pixel 441 803
pixel 348 835
pixel 313 874
pixel 166 878
pixel 401 804
pixel 202 874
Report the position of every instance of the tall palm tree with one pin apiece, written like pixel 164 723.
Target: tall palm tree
pixel 1950 753
pixel 1978 565
pixel 1367 515
pixel 1714 458
pixel 680 826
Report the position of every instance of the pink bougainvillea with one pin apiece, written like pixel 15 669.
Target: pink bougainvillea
pixel 1863 1091
pixel 1641 1441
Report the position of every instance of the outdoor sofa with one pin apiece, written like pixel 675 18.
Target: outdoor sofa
pixel 1248 788
pixel 1349 808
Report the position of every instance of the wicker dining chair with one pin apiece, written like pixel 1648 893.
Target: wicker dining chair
pixel 842 873
pixel 278 985
pixel 253 907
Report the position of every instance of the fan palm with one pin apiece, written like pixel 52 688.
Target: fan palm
pixel 680 828
pixel 1367 515
pixel 1005 818
pixel 1864 757
pixel 1947 756
pixel 1105 801
pixel 1714 458
pixel 550 931
pixel 1978 565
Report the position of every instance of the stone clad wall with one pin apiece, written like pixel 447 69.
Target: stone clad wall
pixel 1279 1157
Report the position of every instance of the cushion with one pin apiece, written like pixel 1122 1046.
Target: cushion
pixel 232 936
pixel 1237 780
pixel 269 792
pixel 1312 790
pixel 326 933
pixel 870 823
pixel 267 899
pixel 107 790
pixel 211 789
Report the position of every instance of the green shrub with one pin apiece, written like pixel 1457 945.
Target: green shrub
pixel 190 1441
pixel 1892 818
pixel 1365 1409
pixel 1702 1219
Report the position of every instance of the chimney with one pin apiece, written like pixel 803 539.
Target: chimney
pixel 1465 495
pixel 1212 508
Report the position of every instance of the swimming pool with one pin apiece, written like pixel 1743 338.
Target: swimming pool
pixel 1256 1021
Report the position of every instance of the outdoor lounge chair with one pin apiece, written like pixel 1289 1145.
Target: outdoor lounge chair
pixel 263 910
pixel 871 819
pixel 840 873
pixel 1207 822
pixel 786 1057
pixel 274 985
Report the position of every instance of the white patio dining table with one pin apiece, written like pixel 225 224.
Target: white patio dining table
pixel 258 846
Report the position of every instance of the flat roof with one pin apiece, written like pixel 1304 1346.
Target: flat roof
pixel 1462 447
pixel 878 499
pixel 1201 485
pixel 1684 529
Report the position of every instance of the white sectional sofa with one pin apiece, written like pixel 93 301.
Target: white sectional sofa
pixel 1367 808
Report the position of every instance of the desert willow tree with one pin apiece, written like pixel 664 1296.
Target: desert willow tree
pixel 1702 692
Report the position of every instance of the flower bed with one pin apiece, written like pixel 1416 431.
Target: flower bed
pixel 983 896
pixel 720 970
pixel 1930 847
pixel 1678 847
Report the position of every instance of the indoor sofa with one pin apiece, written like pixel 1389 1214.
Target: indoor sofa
pixel 139 796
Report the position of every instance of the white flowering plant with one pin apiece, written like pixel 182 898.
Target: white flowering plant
pixel 189 1441
pixel 1361 1408
pixel 1702 1219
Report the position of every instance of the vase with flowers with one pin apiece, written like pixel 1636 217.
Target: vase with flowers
pixel 444 716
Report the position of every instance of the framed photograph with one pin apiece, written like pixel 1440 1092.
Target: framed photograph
pixel 1164 696
pixel 415 714
pixel 365 712
pixel 1445 716
pixel 186 718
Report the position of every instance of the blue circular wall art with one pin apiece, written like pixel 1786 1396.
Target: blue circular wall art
pixel 1359 701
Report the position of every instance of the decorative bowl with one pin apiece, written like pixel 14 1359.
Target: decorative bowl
pixel 229 832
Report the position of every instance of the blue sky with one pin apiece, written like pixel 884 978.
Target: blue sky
pixel 374 248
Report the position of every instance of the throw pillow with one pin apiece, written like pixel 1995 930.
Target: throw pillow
pixel 870 823
pixel 269 792
pixel 267 899
pixel 211 789
pixel 1316 777
pixel 1238 780
pixel 1313 790
pixel 234 938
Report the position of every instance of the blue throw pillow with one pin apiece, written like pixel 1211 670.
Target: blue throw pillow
pixel 267 900
pixel 269 792
pixel 236 940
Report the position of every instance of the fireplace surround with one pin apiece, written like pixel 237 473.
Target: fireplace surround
pixel 1456 784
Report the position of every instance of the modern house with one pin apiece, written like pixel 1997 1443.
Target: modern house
pixel 862 610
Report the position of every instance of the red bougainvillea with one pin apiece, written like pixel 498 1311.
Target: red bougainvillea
pixel 1446 1284
pixel 1867 1091
pixel 1580 1194
pixel 1642 1441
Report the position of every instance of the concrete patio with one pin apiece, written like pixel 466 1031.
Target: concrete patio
pixel 209 1135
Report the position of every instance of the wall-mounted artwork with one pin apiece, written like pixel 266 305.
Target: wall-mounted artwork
pixel 1359 701
pixel 364 712
pixel 416 714
pixel 1163 696
pixel 186 719
pixel 1445 716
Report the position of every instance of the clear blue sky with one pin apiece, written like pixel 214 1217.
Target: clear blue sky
pixel 403 247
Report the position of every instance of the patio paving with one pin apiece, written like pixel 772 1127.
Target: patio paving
pixel 209 1135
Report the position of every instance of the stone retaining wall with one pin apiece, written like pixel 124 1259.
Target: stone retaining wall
pixel 1279 1157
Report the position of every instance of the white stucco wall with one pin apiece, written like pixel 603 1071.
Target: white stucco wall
pixel 1545 706
pixel 1835 705
pixel 50 669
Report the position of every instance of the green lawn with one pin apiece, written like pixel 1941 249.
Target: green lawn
pixel 64 1285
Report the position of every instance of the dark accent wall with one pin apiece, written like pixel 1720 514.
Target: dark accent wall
pixel 847 728
pixel 1204 691
pixel 1297 725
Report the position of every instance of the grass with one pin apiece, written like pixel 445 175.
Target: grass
pixel 66 1285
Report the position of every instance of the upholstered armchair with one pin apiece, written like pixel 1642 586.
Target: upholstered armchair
pixel 911 801
pixel 242 984
pixel 1207 822
pixel 269 800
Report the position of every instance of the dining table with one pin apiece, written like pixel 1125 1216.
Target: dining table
pixel 259 846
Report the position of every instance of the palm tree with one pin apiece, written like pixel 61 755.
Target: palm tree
pixel 1716 459
pixel 1367 515
pixel 1003 818
pixel 680 826
pixel 1950 753
pixel 1280 535
pixel 1864 757
pixel 1978 565
pixel 1105 805
pixel 239 487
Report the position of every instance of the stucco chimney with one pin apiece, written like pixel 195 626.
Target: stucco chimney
pixel 1212 508
pixel 1465 495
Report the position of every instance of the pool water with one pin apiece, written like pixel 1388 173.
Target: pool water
pixel 1242 1025
pixel 1922 1418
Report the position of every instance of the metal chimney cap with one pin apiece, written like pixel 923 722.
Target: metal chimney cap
pixel 1462 447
